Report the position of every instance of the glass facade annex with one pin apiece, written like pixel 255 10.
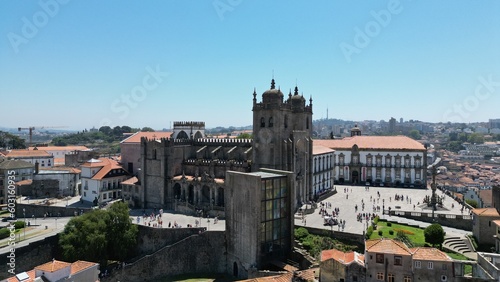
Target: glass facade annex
pixel 275 222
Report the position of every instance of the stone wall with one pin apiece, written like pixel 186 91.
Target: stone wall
pixel 30 256
pixel 196 254
pixel 463 222
pixel 357 238
pixel 40 210
pixel 50 188
pixel 153 239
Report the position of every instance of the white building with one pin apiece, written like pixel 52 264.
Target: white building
pixel 78 271
pixel 41 157
pixel 101 180
pixel 379 160
pixel 487 148
pixel 21 170
pixel 59 152
pixel 322 169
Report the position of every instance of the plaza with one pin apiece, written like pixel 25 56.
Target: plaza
pixel 375 199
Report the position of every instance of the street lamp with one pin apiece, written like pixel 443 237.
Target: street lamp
pixel 433 168
pixel 24 214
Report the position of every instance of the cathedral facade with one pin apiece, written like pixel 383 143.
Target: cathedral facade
pixel 187 171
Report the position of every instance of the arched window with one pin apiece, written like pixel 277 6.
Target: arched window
pixel 271 122
pixel 286 121
pixel 307 123
pixel 262 122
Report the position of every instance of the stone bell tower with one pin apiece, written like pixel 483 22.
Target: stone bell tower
pixel 282 131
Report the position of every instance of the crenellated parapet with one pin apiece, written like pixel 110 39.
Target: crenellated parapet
pixel 229 141
pixel 197 124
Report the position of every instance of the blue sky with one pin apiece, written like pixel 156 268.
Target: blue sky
pixel 148 63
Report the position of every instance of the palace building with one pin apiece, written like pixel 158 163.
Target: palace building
pixel 394 161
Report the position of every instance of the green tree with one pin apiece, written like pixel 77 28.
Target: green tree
pixel 126 129
pixel 472 203
pixel 245 136
pixel 434 234
pixel 122 232
pixel 475 138
pixel 147 129
pixel 105 129
pixel 11 141
pixel 415 134
pixel 453 136
pixel 99 235
pixel 85 238
pixel 455 146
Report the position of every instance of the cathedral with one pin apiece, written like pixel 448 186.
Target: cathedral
pixel 187 171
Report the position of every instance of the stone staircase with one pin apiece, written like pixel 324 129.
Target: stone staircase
pixel 460 245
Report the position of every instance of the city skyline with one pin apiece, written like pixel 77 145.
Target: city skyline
pixel 84 64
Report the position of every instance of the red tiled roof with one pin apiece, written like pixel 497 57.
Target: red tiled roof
pixel 26 153
pixel 81 265
pixel 310 274
pixel 112 164
pixel 31 278
pixel 93 163
pixel 345 258
pixel 136 137
pixel 284 266
pixel 387 246
pixel 24 182
pixel 59 148
pixel 372 143
pixel 59 161
pixel 486 212
pixel 319 149
pixel 59 168
pixel 106 165
pixel 130 181
pixel 52 266
pixel 429 254
pixel 286 277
